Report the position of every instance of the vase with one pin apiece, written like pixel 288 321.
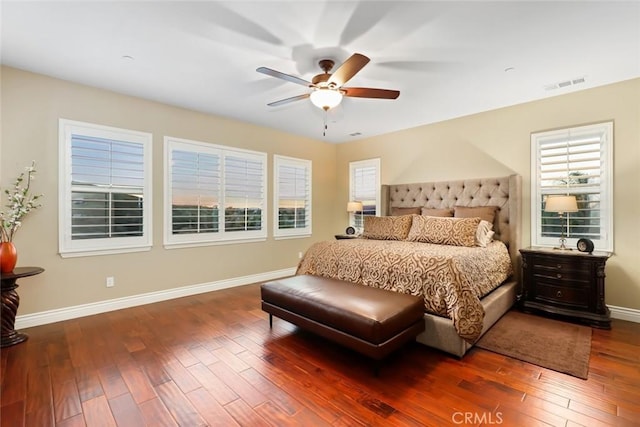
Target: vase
pixel 8 257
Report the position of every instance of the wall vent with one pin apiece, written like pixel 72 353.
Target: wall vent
pixel 565 83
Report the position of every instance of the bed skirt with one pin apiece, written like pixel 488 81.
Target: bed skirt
pixel 439 331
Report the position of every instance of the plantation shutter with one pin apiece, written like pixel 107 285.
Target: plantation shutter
pixel 195 192
pixel 107 188
pixel 244 192
pixel 293 196
pixel 576 162
pixel 214 194
pixel 365 188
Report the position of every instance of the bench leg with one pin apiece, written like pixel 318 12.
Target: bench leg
pixel 270 321
pixel 376 368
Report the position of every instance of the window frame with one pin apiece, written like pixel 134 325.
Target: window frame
pixel 604 188
pixel 278 233
pixel 359 164
pixel 185 240
pixel 68 247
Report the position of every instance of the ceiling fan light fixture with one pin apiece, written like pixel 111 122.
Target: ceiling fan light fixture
pixel 326 98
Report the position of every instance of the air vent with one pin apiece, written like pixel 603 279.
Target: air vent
pixel 565 83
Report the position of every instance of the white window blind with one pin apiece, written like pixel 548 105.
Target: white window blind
pixel 292 194
pixel 365 187
pixel 575 161
pixel 195 192
pixel 244 192
pixel 214 193
pixel 107 181
pixel 104 189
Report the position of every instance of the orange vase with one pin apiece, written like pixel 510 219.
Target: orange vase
pixel 8 257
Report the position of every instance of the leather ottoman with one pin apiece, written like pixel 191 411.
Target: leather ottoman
pixel 372 321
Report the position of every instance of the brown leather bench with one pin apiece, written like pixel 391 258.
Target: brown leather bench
pixel 371 321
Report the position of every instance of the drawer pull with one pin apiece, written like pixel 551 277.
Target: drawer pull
pixel 559 276
pixel 559 294
pixel 559 267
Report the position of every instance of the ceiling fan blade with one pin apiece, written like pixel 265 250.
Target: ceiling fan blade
pixel 288 100
pixel 367 92
pixel 348 69
pixel 279 75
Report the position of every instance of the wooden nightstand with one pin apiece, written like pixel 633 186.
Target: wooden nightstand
pixel 565 283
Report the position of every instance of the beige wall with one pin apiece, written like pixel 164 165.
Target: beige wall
pixel 488 144
pixel 497 143
pixel 31 106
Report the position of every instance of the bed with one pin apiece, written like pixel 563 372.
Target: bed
pixel 464 293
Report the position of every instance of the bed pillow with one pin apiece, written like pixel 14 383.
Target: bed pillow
pixel 436 212
pixel 405 211
pixel 484 234
pixel 444 231
pixel 387 227
pixel 487 213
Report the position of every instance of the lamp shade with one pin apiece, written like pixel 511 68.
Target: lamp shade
pixel 561 204
pixel 326 98
pixel 354 206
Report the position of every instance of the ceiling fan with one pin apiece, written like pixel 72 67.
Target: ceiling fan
pixel 328 88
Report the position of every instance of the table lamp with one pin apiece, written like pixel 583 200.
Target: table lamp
pixel 561 205
pixel 355 207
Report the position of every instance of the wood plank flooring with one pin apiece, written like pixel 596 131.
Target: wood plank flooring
pixel 211 359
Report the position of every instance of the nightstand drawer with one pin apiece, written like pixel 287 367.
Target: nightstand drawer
pixel 556 267
pixel 570 297
pixel 562 279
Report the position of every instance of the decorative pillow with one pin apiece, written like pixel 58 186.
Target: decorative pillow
pixel 387 227
pixel 444 231
pixel 405 211
pixel 487 213
pixel 436 212
pixel 484 234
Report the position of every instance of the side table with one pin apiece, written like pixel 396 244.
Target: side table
pixel 10 303
pixel 566 283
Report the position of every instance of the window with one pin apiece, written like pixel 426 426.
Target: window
pixel 576 161
pixel 105 189
pixel 364 186
pixel 292 197
pixel 213 194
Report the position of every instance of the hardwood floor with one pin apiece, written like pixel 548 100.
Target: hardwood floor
pixel 211 359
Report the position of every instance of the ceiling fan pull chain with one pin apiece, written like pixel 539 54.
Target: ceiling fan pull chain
pixel 324 132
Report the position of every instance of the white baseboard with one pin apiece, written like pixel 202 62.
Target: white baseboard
pixel 624 313
pixel 51 316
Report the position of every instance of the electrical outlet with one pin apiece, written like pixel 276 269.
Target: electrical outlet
pixel 110 282
pixel 299 255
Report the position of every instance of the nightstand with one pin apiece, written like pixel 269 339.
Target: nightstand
pixel 565 283
pixel 345 236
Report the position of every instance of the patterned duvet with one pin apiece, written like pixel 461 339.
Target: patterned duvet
pixel 452 279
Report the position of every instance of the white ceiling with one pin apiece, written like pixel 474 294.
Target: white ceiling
pixel 448 59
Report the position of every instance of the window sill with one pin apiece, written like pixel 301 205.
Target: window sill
pixel 98 252
pixel 293 236
pixel 183 245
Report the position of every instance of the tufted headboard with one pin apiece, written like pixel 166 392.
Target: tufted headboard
pixel 504 192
